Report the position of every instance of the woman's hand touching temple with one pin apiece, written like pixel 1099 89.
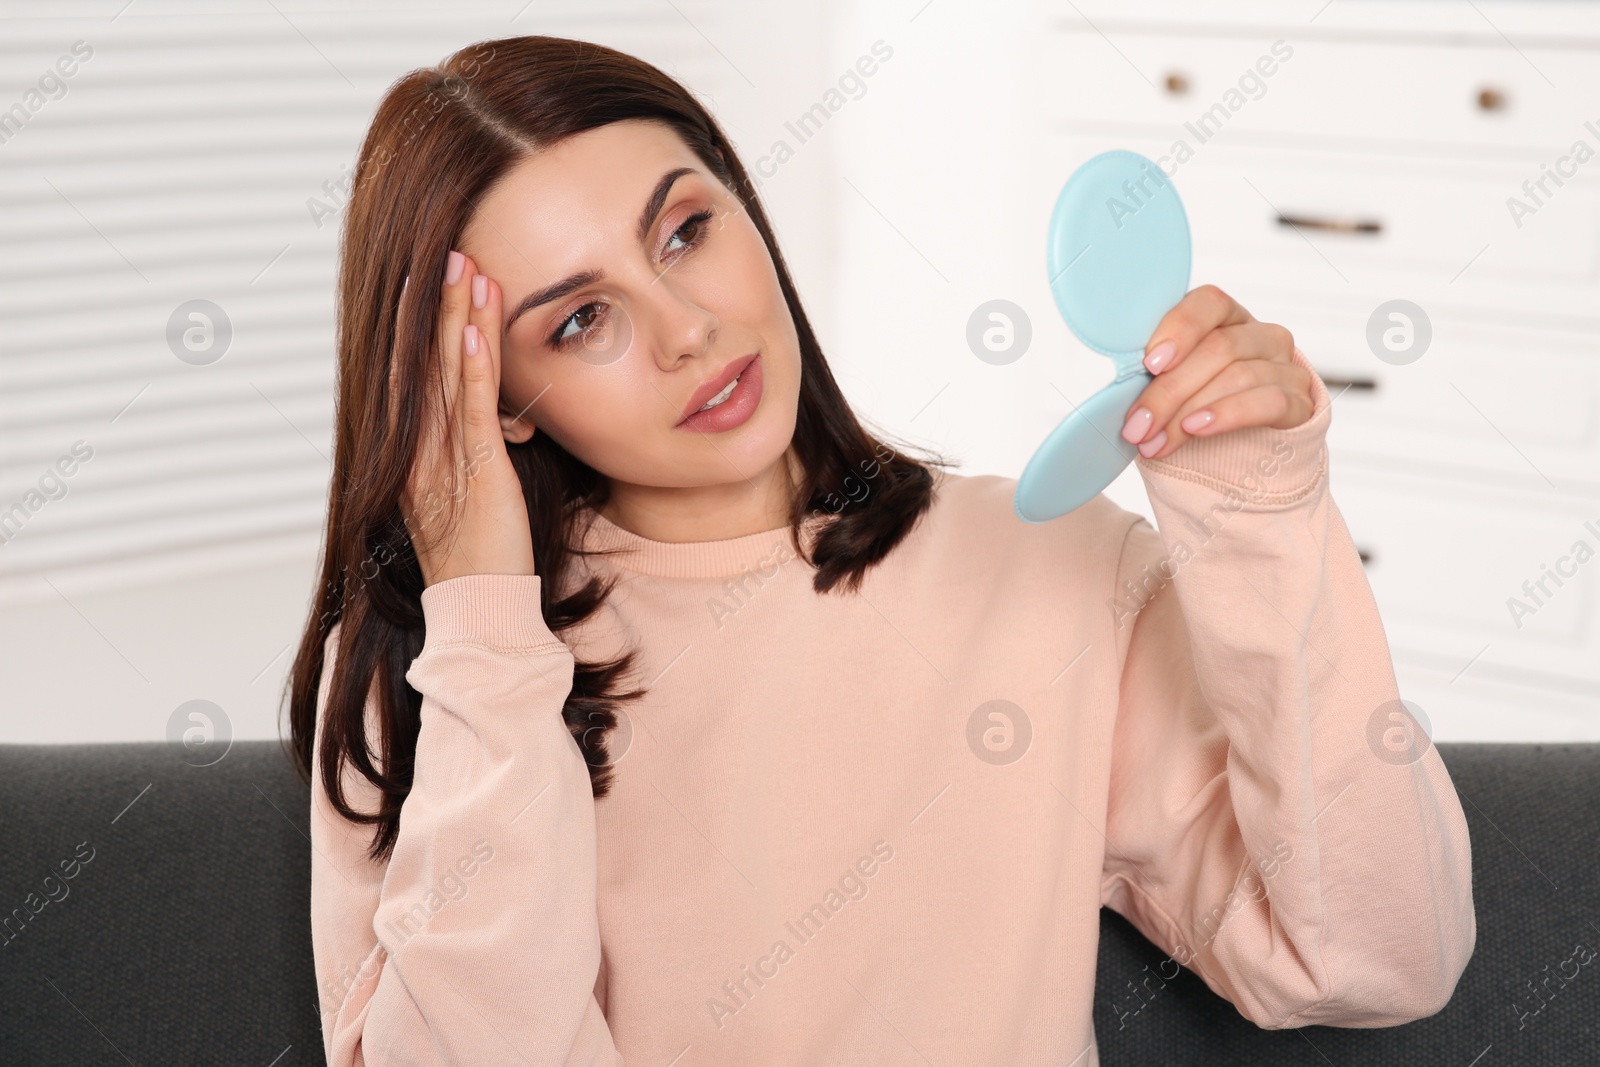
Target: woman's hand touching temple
pixel 463 504
pixel 1217 369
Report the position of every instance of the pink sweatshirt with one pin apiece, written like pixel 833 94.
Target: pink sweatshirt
pixel 879 828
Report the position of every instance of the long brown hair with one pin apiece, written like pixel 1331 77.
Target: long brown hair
pixel 441 137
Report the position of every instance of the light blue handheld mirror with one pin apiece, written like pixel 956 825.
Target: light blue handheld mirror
pixel 1118 258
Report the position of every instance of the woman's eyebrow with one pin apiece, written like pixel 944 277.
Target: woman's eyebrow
pixel 573 282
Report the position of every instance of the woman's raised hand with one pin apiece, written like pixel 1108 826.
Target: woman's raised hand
pixel 463 503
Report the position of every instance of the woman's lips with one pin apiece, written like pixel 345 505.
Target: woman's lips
pixel 698 398
pixel 739 406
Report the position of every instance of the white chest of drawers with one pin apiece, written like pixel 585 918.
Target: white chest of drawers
pixel 1447 155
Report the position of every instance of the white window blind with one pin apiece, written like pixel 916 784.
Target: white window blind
pixel 175 164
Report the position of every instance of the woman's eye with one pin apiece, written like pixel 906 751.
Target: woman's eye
pixel 697 220
pixel 585 317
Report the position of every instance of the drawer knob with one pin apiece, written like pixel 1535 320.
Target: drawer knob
pixel 1365 554
pixel 1334 381
pixel 1177 83
pixel 1334 225
pixel 1491 99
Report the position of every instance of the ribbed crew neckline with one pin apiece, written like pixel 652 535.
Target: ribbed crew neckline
pixel 694 559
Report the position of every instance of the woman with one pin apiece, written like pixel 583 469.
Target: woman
pixel 885 750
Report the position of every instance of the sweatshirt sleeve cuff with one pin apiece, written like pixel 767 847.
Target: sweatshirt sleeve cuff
pixel 495 611
pixel 1270 467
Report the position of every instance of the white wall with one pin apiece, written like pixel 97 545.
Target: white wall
pixel 177 162
pixel 178 165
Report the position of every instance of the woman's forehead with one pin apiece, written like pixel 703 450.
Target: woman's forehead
pixel 577 195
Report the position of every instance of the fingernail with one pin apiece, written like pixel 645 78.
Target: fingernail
pixel 1159 356
pixel 454 264
pixel 1138 425
pixel 469 339
pixel 1197 421
pixel 480 290
pixel 1152 446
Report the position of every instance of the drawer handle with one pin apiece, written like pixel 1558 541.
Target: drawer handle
pixel 1365 554
pixel 1491 99
pixel 1177 83
pixel 1334 381
pixel 1335 225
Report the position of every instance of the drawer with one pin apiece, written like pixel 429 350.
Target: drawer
pixel 1465 707
pixel 1404 94
pixel 1484 405
pixel 1445 569
pixel 1441 236
pixel 1441 230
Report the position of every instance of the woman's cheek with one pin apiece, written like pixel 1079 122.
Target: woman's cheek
pixel 762 304
pixel 761 294
pixel 597 408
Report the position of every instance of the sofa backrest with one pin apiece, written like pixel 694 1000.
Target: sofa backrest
pixel 1533 812
pixel 182 935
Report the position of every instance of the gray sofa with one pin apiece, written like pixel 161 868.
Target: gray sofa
pixel 184 938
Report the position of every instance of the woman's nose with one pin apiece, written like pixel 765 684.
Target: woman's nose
pixel 682 324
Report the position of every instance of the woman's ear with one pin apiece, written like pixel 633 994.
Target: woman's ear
pixel 516 429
